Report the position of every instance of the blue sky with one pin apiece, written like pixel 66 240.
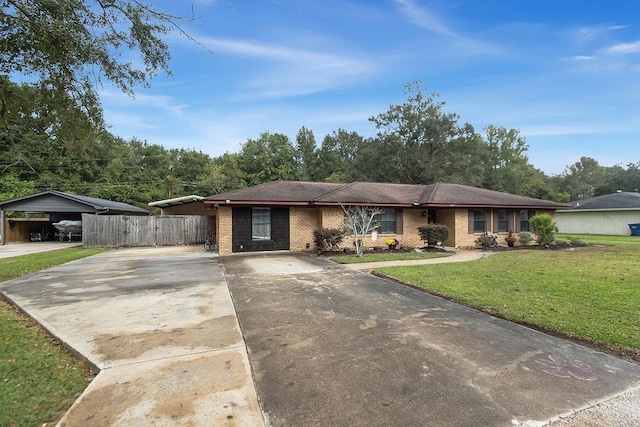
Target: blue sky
pixel 566 73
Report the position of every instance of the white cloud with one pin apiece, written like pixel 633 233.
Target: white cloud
pixel 424 18
pixel 291 71
pixel 588 34
pixel 427 20
pixel 163 102
pixel 584 58
pixel 624 48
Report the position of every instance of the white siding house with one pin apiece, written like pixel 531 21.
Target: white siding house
pixel 610 214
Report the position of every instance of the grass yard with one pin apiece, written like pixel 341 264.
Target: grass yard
pixel 598 239
pixel 592 293
pixel 387 256
pixel 39 380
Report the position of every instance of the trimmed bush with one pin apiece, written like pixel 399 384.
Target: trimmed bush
pixel 524 237
pixel 544 228
pixel 487 240
pixel 328 239
pixel 432 234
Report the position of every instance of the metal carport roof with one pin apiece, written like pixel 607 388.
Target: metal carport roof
pixel 53 201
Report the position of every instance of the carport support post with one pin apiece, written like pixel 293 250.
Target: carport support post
pixel 3 229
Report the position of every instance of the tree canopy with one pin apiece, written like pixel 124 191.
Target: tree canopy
pixel 42 147
pixel 67 47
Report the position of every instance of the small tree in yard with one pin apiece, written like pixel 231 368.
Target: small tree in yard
pixel 359 221
pixel 432 234
pixel 544 228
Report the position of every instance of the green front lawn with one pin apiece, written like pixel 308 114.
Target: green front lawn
pixel 39 380
pixel 18 266
pixel 591 293
pixel 599 239
pixel 387 256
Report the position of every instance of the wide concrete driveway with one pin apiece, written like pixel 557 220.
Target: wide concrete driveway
pixel 332 346
pixel 160 325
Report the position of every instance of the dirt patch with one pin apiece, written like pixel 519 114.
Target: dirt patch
pixel 219 332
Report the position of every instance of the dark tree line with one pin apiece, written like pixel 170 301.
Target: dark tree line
pixel 416 143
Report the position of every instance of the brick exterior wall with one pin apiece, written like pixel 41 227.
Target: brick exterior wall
pixel 463 237
pixel 225 230
pixel 302 223
pixel 411 219
pixel 448 217
pixel 331 217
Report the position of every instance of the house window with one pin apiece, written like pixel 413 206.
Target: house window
pixel 524 220
pixel 503 223
pixel 387 221
pixel 261 224
pixel 478 221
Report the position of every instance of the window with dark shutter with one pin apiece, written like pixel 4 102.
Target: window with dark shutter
pixel 387 221
pixel 476 221
pixel 524 220
pixel 261 224
pixel 502 224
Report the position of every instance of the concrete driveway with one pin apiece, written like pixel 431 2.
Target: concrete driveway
pixel 332 346
pixel 160 325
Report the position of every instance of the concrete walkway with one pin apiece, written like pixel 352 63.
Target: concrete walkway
pixel 160 325
pixel 460 255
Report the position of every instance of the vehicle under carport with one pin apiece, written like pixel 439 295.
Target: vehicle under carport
pixel 58 206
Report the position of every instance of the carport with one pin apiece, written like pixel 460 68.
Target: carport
pixel 60 206
pixel 188 205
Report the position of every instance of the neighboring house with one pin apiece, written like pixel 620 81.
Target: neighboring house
pixel 57 206
pixel 610 214
pixel 282 215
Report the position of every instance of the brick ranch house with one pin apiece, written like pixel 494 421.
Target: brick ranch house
pixel 282 215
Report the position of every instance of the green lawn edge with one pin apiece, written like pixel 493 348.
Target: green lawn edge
pixel 589 295
pixel 387 256
pixel 39 379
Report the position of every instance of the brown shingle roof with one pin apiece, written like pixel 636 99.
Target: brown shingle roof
pixel 372 193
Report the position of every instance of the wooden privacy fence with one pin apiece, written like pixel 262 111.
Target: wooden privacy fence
pixel 115 231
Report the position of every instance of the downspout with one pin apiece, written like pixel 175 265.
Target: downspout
pixel 3 229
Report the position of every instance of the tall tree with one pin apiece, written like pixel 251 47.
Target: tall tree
pixel 582 177
pixel 507 165
pixel 222 175
pixel 306 155
pixel 336 156
pixel 427 144
pixel 619 178
pixel 268 158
